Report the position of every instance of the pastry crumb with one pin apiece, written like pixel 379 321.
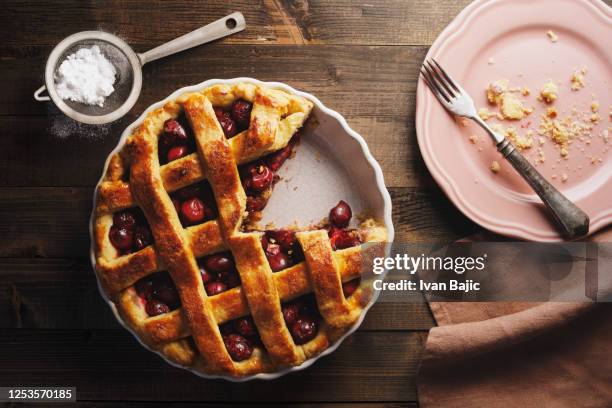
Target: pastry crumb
pixel 541 156
pixel 564 151
pixel 485 114
pixel 491 61
pixel 552 36
pixel 595 106
pixel 521 142
pixel 551 112
pixel 577 80
pixel 564 177
pixel 495 167
pixel 512 108
pixel 474 139
pixel 496 90
pixel 549 92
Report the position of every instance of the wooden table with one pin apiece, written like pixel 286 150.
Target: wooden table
pixel 359 59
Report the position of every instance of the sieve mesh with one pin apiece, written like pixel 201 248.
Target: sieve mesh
pixel 123 81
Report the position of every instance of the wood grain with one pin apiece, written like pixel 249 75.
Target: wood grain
pixel 51 222
pixel 111 365
pixel 63 294
pixel 373 87
pixel 147 23
pixel 332 73
pixel 359 58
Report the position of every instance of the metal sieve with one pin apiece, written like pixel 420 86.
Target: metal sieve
pixel 128 64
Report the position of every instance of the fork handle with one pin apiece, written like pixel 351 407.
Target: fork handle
pixel 573 221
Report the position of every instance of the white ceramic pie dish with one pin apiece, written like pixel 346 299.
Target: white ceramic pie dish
pixel 323 171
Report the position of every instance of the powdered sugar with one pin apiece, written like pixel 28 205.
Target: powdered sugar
pixel 86 76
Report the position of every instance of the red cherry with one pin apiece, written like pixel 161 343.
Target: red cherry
pixel 227 123
pixel 279 262
pixel 238 347
pixel 276 160
pixel 121 238
pixel 348 288
pixel 255 203
pixel 124 219
pixel 291 312
pixel 219 263
pixel 241 112
pixel 206 276
pixel 284 238
pixel 245 327
pixel 142 237
pixel 270 249
pixel 155 307
pixel 193 211
pixel 261 178
pixel 166 292
pixel 343 239
pixel 176 153
pixel 303 330
pixel 340 215
pixel 214 288
pixel 173 128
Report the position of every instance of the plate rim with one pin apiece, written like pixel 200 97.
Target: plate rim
pixel 380 184
pixel 511 229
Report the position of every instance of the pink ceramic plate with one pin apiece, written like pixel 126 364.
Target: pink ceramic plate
pixel 506 39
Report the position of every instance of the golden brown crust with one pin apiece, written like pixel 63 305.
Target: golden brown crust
pixel 190 335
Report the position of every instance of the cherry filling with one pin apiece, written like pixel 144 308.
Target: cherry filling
pixel 235 119
pixel 302 318
pixel 195 204
pixel 130 231
pixel 281 249
pixel 339 219
pixel 176 140
pixel 259 176
pixel 218 273
pixel 348 288
pixel 159 293
pixel 240 337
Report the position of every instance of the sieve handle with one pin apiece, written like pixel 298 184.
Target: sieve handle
pixel 39 97
pixel 225 26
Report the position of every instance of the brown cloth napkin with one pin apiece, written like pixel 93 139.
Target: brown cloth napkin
pixel 519 354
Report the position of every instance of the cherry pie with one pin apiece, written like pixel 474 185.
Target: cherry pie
pixel 177 252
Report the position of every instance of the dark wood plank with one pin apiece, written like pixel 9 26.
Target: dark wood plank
pixel 373 87
pixel 322 70
pixel 63 294
pixel 52 222
pixel 144 24
pixel 110 365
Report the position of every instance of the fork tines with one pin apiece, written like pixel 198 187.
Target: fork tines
pixel 439 81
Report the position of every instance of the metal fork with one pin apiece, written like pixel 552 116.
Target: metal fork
pixel 572 220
